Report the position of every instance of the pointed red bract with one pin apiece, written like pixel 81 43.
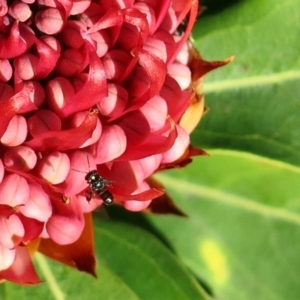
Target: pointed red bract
pixel 143 196
pixel 163 204
pixel 200 67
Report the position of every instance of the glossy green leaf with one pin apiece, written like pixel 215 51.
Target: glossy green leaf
pixel 144 264
pixel 132 264
pixel 242 234
pixel 254 101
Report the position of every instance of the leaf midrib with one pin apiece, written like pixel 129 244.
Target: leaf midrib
pixel 146 257
pixel 225 197
pixel 254 81
pixel 52 283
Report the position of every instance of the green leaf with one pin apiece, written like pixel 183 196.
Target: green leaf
pixel 132 264
pixel 242 234
pixel 254 101
pixel 144 264
pixel 62 283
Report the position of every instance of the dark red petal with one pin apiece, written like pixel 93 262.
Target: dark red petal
pixel 92 91
pixel 6 210
pixel 154 143
pixel 112 23
pixel 129 38
pixel 71 34
pixel 143 196
pixel 42 121
pixel 138 19
pixel 177 100
pixel 80 255
pixel 20 39
pixel 124 182
pixel 135 126
pixel 65 139
pixel 33 228
pixel 22 270
pixel 163 204
pixel 19 103
pixel 168 39
pixel 155 68
pixel 161 10
pixel 111 19
pixel 48 58
pixel 122 174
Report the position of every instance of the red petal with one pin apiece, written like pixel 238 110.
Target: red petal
pixel 66 139
pixel 48 58
pixel 155 68
pixel 20 39
pixel 153 144
pixel 33 228
pixel 138 19
pixel 92 91
pixel 19 103
pixel 22 270
pixel 111 19
pixel 161 10
pixel 6 210
pixel 123 176
pixel 143 196
pixel 135 127
pixel 177 100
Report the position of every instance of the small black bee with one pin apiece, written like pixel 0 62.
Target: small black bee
pixel 98 186
pixel 181 28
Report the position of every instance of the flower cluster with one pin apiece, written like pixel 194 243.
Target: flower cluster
pixel 85 85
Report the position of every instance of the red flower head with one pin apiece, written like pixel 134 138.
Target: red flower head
pixel 86 85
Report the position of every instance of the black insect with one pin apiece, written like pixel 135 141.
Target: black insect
pixel 98 185
pixel 181 28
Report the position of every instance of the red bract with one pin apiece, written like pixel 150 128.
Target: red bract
pixel 86 85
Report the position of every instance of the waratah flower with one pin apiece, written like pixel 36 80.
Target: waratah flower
pixel 86 85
